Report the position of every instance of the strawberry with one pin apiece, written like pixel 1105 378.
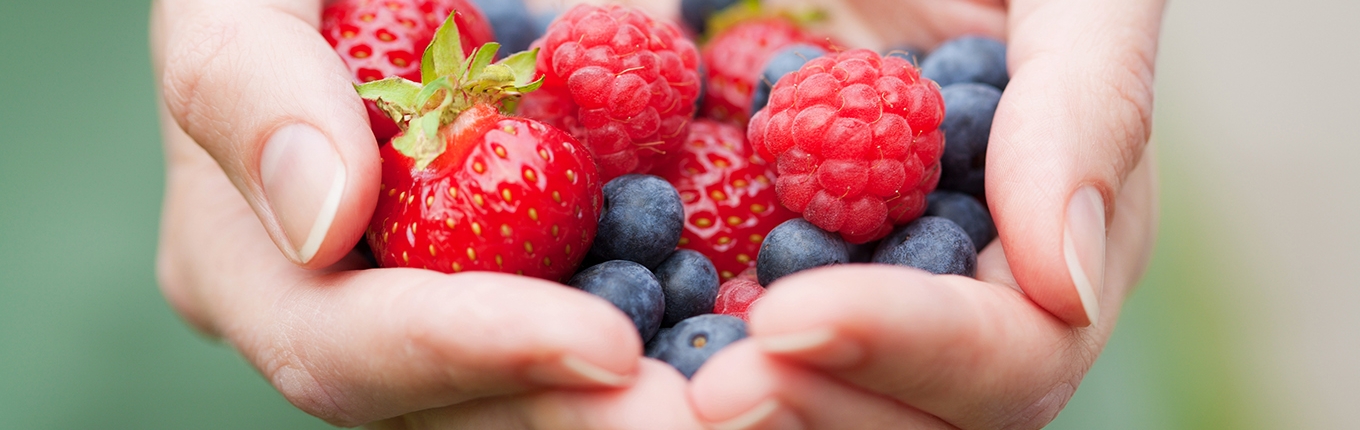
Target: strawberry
pixel 386 38
pixel 621 82
pixel 465 187
pixel 728 194
pixel 856 142
pixel 735 57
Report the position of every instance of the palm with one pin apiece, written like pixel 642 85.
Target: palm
pixel 353 346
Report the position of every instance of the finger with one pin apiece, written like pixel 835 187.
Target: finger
pixel 255 84
pixel 356 346
pixel 742 388
pixel 1070 127
pixel 656 401
pixel 977 355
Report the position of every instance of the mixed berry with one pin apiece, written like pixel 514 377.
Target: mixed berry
pixel 591 159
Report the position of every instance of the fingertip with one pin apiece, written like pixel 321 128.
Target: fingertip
pixel 559 335
pixel 731 383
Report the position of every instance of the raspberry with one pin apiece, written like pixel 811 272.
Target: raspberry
pixel 855 141
pixel 620 82
pixel 736 296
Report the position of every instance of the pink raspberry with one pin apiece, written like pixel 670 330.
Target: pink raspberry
pixel 622 83
pixel 855 141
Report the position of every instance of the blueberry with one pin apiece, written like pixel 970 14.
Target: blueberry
pixel 512 23
pixel 965 211
pixel 797 245
pixel 653 348
pixel 933 244
pixel 691 342
pixel 968 112
pixel 641 221
pixel 968 59
pixel 696 12
pixel 542 20
pixel 690 283
pixel 783 62
pixel 630 287
pixel 912 54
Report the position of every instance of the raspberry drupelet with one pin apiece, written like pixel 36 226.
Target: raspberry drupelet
pixel 623 83
pixel 856 142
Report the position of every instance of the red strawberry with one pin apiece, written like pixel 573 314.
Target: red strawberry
pixel 621 82
pixel 386 38
pixel 856 141
pixel 468 188
pixel 728 193
pixel 736 296
pixel 735 57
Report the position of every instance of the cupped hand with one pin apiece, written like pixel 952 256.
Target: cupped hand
pixel 268 150
pixel 1071 185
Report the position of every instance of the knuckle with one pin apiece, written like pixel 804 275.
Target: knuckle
pixel 200 47
pixel 293 376
pixel 1126 89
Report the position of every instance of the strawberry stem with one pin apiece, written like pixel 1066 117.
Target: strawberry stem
pixel 453 83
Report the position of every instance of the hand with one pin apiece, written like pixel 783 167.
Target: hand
pixel 1071 184
pixel 258 106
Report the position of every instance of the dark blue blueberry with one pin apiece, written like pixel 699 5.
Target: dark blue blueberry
pixel 512 23
pixel 797 245
pixel 690 283
pixel 968 112
pixel 968 59
pixel 912 54
pixel 787 60
pixel 933 244
pixel 654 347
pixel 641 221
pixel 691 342
pixel 965 211
pixel 631 288
pixel 695 13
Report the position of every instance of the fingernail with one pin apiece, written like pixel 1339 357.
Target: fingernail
pixel 766 414
pixel 303 180
pixel 822 347
pixel 1084 247
pixel 571 370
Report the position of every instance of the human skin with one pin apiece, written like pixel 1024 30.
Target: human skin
pixel 272 174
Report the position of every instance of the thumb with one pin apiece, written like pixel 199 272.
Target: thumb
pixel 1071 125
pixel 256 85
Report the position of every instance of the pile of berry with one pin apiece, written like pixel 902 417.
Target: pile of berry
pixel 674 180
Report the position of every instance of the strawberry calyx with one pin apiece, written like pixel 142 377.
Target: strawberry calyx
pixel 451 83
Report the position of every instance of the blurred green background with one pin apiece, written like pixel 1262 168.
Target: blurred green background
pixel 86 341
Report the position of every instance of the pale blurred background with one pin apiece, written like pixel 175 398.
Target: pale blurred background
pixel 1248 318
